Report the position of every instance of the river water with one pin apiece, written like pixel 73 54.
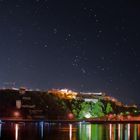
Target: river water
pixel 80 131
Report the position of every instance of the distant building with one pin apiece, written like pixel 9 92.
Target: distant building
pixel 91 100
pixel 18 104
pixel 22 90
pixel 63 93
pixel 27 102
pixel 90 96
pixel 93 93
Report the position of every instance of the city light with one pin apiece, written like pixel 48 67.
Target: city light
pixel 88 115
pixel 16 114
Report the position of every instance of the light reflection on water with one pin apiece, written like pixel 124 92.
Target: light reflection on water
pixel 0 130
pixel 109 132
pixel 41 129
pixel 70 131
pixel 80 131
pixel 16 131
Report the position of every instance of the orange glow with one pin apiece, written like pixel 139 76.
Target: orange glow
pixel 63 93
pixel 70 116
pixel 16 114
pixel 16 131
pixel 70 131
pixel 110 131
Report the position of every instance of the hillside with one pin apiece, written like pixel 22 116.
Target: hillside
pixel 46 105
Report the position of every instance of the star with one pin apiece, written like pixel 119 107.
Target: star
pixel 55 30
pixel 84 44
pixel 83 70
pixel 45 45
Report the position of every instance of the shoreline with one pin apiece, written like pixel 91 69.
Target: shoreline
pixel 68 121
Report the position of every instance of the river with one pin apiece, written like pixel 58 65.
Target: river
pixel 59 131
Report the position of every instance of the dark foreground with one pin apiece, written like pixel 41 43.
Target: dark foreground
pixel 69 131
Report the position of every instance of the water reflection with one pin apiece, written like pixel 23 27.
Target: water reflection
pixel 16 131
pixel 120 132
pixel 135 130
pixel 109 132
pixel 91 132
pixel 127 130
pixel 0 129
pixel 80 131
pixel 70 131
pixel 41 129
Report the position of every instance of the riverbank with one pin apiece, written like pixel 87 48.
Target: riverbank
pixel 68 121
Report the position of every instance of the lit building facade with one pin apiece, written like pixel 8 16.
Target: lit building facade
pixel 63 93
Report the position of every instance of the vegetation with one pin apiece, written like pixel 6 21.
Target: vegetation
pixel 109 108
pixel 48 106
pixel 87 109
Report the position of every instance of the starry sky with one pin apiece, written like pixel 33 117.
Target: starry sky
pixel 83 45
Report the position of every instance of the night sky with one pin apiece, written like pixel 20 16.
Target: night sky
pixel 83 45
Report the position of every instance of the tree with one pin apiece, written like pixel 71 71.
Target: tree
pixel 76 107
pixel 109 108
pixel 82 109
pixel 97 109
pixel 85 111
